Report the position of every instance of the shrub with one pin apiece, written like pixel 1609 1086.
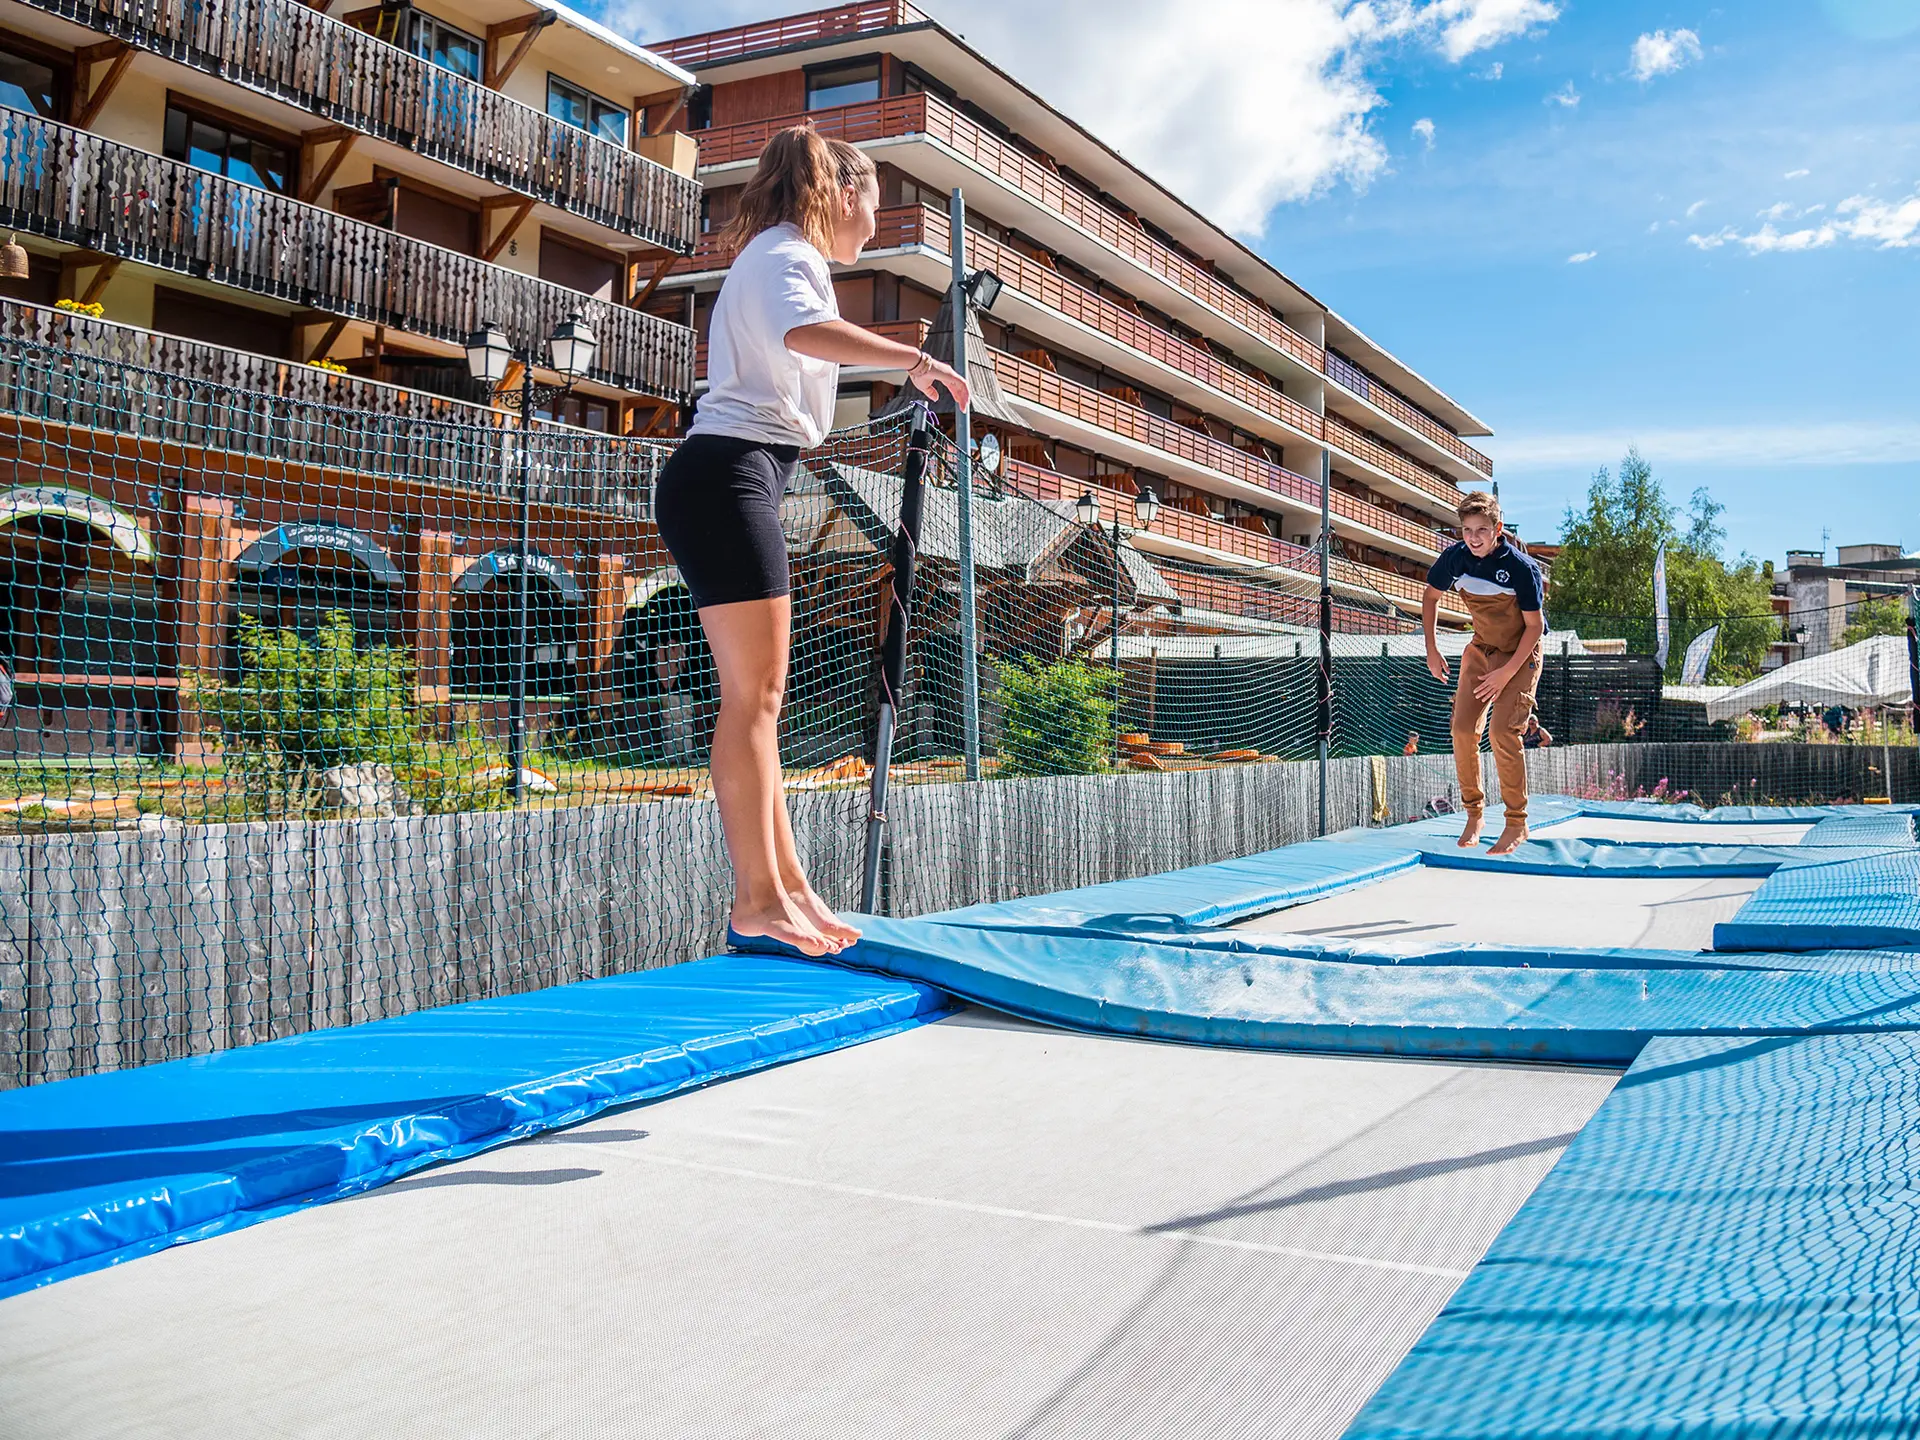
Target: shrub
pixel 1056 719
pixel 302 707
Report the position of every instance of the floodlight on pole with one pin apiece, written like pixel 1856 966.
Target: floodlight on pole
pixel 983 288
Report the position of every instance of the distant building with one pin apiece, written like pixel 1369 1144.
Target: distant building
pixel 1815 600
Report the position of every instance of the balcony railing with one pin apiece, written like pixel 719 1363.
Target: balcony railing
pixel 297 54
pixel 75 187
pixel 1043 387
pixel 1204 530
pixel 840 23
pixel 1342 436
pixel 927 115
pixel 67 370
pixel 1344 372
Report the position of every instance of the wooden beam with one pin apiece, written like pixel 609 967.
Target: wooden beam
pixel 527 27
pixel 97 96
pixel 657 421
pixel 327 337
pixel 98 284
pixel 522 207
pixel 342 144
pixel 639 301
pixel 642 103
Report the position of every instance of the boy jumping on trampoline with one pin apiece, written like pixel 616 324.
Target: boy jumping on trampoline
pixel 1500 668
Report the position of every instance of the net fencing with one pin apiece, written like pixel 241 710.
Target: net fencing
pixel 326 699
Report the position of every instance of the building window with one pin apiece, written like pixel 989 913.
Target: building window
pixel 700 109
pixel 450 49
pixel 30 85
pixel 582 411
pixel 218 148
pixel 843 85
pixel 586 111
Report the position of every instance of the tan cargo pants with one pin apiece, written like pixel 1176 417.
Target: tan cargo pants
pixel 1510 709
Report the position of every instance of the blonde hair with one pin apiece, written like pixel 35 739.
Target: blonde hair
pixel 799 182
pixel 1478 502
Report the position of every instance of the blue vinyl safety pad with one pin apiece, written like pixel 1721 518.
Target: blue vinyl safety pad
pixel 1869 901
pixel 99 1169
pixel 1725 1252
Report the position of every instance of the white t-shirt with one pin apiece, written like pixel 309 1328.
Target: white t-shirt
pixel 758 389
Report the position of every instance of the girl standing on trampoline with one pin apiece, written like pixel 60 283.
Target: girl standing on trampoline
pixel 773 368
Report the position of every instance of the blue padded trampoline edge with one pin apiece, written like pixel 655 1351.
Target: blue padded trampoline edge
pixel 826 1032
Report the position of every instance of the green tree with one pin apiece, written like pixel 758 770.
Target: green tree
pixel 1056 719
pixel 1881 615
pixel 303 707
pixel 1602 582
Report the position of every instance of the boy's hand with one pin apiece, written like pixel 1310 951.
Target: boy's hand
pixel 1437 665
pixel 1492 683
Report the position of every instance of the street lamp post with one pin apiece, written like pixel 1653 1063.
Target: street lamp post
pixel 490 355
pixel 1146 505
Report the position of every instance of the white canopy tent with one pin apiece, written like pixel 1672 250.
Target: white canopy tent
pixel 1874 672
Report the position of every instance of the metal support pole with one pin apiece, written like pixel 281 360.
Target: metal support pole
pixel 1323 690
pixel 1113 647
pixel 963 441
pixel 893 648
pixel 1913 657
pixel 517 702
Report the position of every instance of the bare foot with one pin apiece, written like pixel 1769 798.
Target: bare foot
pixel 784 924
pixel 820 915
pixel 1470 834
pixel 1510 838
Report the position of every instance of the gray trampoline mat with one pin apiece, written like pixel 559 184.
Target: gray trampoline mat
pixel 1426 906
pixel 974 1228
pixel 1671 832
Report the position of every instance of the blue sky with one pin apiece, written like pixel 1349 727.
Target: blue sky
pixel 1743 180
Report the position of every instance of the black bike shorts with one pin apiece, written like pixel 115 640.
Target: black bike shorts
pixel 717 504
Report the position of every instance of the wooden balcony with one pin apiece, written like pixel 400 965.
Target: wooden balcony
pixel 71 186
pixel 840 23
pixel 931 117
pixel 1217 535
pixel 1345 373
pixel 1092 407
pixel 1342 436
pixel 96 375
pixel 344 75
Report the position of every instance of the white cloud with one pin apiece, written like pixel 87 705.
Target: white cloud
pixel 1661 52
pixel 1494 71
pixel 1277 100
pixel 1695 208
pixel 1862 442
pixel 1795 174
pixel 1423 131
pixel 1582 257
pixel 1566 95
pixel 1883 224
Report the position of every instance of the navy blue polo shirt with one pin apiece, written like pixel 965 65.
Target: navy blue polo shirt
pixel 1506 570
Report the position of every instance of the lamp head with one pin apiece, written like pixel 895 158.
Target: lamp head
pixel 572 347
pixel 1146 505
pixel 1087 509
pixel 489 352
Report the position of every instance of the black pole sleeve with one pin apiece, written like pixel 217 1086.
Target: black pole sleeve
pixel 906 550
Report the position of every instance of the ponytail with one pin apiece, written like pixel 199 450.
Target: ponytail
pixel 799 181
